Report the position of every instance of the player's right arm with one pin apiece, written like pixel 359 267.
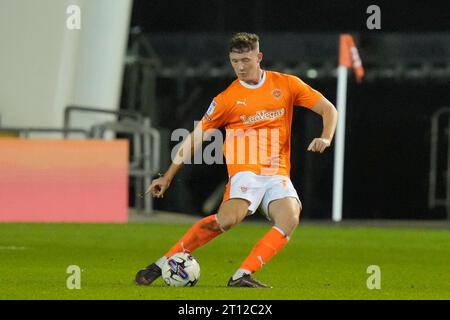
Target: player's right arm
pixel 214 118
pixel 189 146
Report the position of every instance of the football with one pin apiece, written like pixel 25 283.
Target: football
pixel 181 270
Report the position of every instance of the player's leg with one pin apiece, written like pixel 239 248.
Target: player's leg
pixel 230 213
pixel 242 197
pixel 282 206
pixel 285 214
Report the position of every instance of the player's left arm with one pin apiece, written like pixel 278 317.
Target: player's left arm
pixel 326 109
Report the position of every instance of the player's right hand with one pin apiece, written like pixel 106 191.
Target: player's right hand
pixel 158 187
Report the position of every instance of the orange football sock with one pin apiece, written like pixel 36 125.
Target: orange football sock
pixel 200 233
pixel 272 242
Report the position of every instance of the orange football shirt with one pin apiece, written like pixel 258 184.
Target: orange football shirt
pixel 258 120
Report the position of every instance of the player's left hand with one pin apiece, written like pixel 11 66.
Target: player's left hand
pixel 319 145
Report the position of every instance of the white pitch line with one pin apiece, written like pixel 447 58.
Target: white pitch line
pixel 12 248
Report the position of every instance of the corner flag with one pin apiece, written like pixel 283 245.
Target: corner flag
pixel 348 58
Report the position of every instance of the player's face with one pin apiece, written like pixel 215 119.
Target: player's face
pixel 246 65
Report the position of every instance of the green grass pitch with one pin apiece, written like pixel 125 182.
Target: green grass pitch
pixel 319 262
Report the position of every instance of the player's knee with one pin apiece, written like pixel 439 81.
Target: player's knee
pixel 291 221
pixel 228 225
pixel 227 222
pixel 296 214
pixel 295 220
pixel 231 213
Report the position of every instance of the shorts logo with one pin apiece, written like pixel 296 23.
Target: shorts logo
pixel 210 110
pixel 243 189
pixel 276 93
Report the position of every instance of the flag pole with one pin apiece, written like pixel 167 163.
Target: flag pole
pixel 348 58
pixel 339 151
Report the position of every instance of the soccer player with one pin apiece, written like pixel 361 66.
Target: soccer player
pixel 257 106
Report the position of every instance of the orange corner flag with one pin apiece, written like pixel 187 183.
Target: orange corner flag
pixel 349 56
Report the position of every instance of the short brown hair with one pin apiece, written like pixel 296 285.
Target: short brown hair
pixel 243 42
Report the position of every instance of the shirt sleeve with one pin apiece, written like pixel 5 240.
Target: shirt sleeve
pixel 216 115
pixel 303 94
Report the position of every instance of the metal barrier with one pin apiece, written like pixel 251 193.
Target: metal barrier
pixel 145 143
pixel 145 159
pixel 24 132
pixel 433 199
pixel 68 112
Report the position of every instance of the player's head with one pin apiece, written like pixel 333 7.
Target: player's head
pixel 245 56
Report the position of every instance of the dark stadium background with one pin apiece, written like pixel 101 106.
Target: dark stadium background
pixel 388 120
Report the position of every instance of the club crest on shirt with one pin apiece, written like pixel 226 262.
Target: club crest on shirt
pixel 243 189
pixel 276 93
